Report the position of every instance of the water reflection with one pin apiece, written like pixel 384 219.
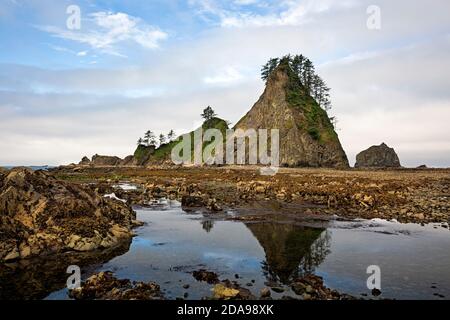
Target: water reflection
pixel 290 250
pixel 207 225
pixel 35 278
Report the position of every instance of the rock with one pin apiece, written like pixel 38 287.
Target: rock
pixel 376 292
pixel 307 136
pixel 265 293
pixel 42 215
pixel 423 166
pixel 192 201
pixel 85 161
pixel 311 287
pixel 104 286
pixel 213 205
pixel 222 292
pixel 14 254
pixel 377 157
pixel 98 160
pixel 204 275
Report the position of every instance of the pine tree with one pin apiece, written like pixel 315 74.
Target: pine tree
pixel 140 142
pixel 162 139
pixel 149 138
pixel 171 135
pixel 208 113
pixel 269 67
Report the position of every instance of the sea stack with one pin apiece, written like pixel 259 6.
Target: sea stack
pixel 307 136
pixel 380 156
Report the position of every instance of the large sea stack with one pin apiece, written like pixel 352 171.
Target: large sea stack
pixel 307 136
pixel 377 157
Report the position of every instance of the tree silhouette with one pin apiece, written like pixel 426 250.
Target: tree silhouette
pixel 162 139
pixel 149 138
pixel 208 113
pixel 140 142
pixel 171 135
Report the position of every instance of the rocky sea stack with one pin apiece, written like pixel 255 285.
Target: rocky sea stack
pixel 307 136
pixel 41 215
pixel 377 157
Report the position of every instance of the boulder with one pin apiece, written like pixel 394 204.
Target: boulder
pixel 98 160
pixel 380 156
pixel 104 286
pixel 85 161
pixel 41 215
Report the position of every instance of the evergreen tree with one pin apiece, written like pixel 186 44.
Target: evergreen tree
pixel 208 113
pixel 149 138
pixel 269 67
pixel 162 139
pixel 140 142
pixel 171 135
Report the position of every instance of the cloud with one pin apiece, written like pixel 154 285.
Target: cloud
pixel 226 76
pixel 105 30
pixel 292 13
pixel 387 86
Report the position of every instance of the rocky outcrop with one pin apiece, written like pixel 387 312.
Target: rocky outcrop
pixel 377 157
pixel 106 160
pixel 104 286
pixel 307 136
pixel 85 161
pixel 41 215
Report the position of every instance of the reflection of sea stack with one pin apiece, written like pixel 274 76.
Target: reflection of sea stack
pixel 287 246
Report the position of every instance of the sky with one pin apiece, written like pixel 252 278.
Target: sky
pixel 67 92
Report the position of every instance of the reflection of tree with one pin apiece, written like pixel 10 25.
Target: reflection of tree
pixel 207 225
pixel 290 250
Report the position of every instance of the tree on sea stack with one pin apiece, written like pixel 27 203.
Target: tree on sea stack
pixel 208 113
pixel 140 142
pixel 149 138
pixel 171 135
pixel 162 139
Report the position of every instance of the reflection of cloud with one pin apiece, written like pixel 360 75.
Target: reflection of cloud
pixel 234 260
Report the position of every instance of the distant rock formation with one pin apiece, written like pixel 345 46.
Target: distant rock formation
pixel 41 215
pixel 98 160
pixel 380 156
pixel 307 136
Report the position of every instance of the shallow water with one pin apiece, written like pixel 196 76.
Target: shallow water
pixel 172 244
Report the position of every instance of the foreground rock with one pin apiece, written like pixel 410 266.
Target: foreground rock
pixel 377 157
pixel 41 215
pixel 104 286
pixel 204 275
pixel 311 287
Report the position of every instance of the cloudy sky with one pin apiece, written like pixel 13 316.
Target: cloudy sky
pixel 136 65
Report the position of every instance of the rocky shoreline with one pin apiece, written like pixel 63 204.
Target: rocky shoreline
pixel 65 210
pixel 407 195
pixel 42 215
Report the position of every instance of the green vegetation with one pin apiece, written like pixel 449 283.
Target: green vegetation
pixel 317 123
pixel 150 148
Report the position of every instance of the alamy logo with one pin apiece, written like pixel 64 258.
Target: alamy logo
pixel 374 280
pixel 210 147
pixel 73 22
pixel 74 281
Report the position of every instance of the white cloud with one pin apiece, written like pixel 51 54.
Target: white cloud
pixel 105 30
pixel 227 75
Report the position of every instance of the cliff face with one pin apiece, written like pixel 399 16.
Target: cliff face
pixel 307 137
